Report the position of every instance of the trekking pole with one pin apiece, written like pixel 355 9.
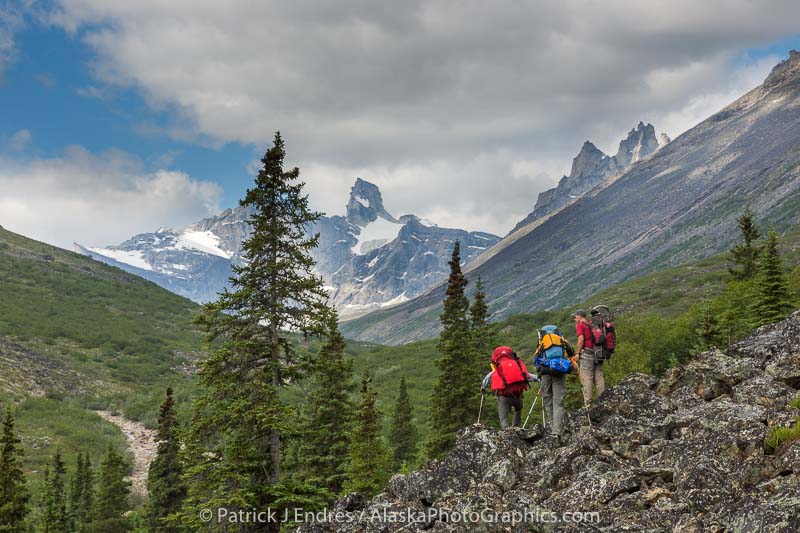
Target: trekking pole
pixel 480 409
pixel 544 418
pixel 538 394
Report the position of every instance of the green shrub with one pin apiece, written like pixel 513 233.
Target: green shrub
pixel 779 436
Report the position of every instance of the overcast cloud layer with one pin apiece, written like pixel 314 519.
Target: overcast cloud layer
pixel 460 111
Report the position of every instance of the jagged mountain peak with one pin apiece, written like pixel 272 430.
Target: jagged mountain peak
pixel 591 167
pixel 640 142
pixel 587 161
pixel 366 204
pixel 786 70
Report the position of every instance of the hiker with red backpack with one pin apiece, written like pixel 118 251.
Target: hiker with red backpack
pixel 508 379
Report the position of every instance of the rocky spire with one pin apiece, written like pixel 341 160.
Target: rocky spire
pixel 366 204
pixel 640 142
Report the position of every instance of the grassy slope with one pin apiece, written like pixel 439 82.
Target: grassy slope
pixel 76 335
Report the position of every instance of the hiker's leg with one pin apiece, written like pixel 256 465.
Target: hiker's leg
pixel 547 395
pixel 559 390
pixel 516 402
pixel 503 406
pixel 587 376
pixel 599 378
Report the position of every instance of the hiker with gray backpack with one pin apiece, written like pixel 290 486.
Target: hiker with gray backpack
pixel 553 361
pixel 596 343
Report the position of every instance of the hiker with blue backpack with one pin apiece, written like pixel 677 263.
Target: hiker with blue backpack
pixel 508 379
pixel 553 360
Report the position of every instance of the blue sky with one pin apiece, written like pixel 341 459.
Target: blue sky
pixel 48 91
pixel 119 117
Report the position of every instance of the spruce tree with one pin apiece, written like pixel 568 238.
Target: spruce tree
pixel 75 490
pixel 327 416
pixel 403 434
pixel 56 515
pixel 82 495
pixel 483 340
pixel 745 253
pixel 111 500
pixel 165 486
pixel 273 293
pixel 368 470
pixel 14 493
pixel 451 408
pixel 772 295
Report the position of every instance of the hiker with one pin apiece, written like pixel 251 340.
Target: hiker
pixel 552 359
pixel 590 365
pixel 508 379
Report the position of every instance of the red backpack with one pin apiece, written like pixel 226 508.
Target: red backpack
pixel 510 375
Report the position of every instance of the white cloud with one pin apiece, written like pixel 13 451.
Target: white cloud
pixel 422 95
pixel 20 140
pixel 97 199
pixel 10 22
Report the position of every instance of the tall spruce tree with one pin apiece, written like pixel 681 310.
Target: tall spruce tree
pixel 772 295
pixel 165 486
pixel 273 292
pixel 14 493
pixel 370 462
pixel 483 339
pixel 111 501
pixel 55 516
pixel 745 253
pixel 327 416
pixel 451 408
pixel 82 495
pixel 403 433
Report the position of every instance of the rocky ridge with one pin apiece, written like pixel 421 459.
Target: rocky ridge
pixel 681 453
pixel 591 166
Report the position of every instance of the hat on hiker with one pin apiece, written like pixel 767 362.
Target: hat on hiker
pixel 579 312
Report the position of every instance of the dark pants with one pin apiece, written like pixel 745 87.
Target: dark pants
pixel 504 406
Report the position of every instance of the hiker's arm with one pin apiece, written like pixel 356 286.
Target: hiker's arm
pixel 580 344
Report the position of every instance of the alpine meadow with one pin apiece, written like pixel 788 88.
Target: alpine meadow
pixel 291 267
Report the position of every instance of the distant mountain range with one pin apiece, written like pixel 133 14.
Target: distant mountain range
pixel 673 206
pixel 368 258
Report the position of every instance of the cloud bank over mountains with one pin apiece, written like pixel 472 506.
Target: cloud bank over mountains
pixel 460 111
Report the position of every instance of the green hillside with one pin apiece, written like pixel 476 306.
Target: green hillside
pixel 77 335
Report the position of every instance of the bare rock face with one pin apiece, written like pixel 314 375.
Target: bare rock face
pixel 682 453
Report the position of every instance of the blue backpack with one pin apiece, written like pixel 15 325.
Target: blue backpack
pixel 552 353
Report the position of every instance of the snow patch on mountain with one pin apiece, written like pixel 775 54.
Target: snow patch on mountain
pixel 376 234
pixel 134 258
pixel 203 241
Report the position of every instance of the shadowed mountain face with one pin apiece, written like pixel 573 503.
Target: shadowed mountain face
pixel 369 259
pixel 675 206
